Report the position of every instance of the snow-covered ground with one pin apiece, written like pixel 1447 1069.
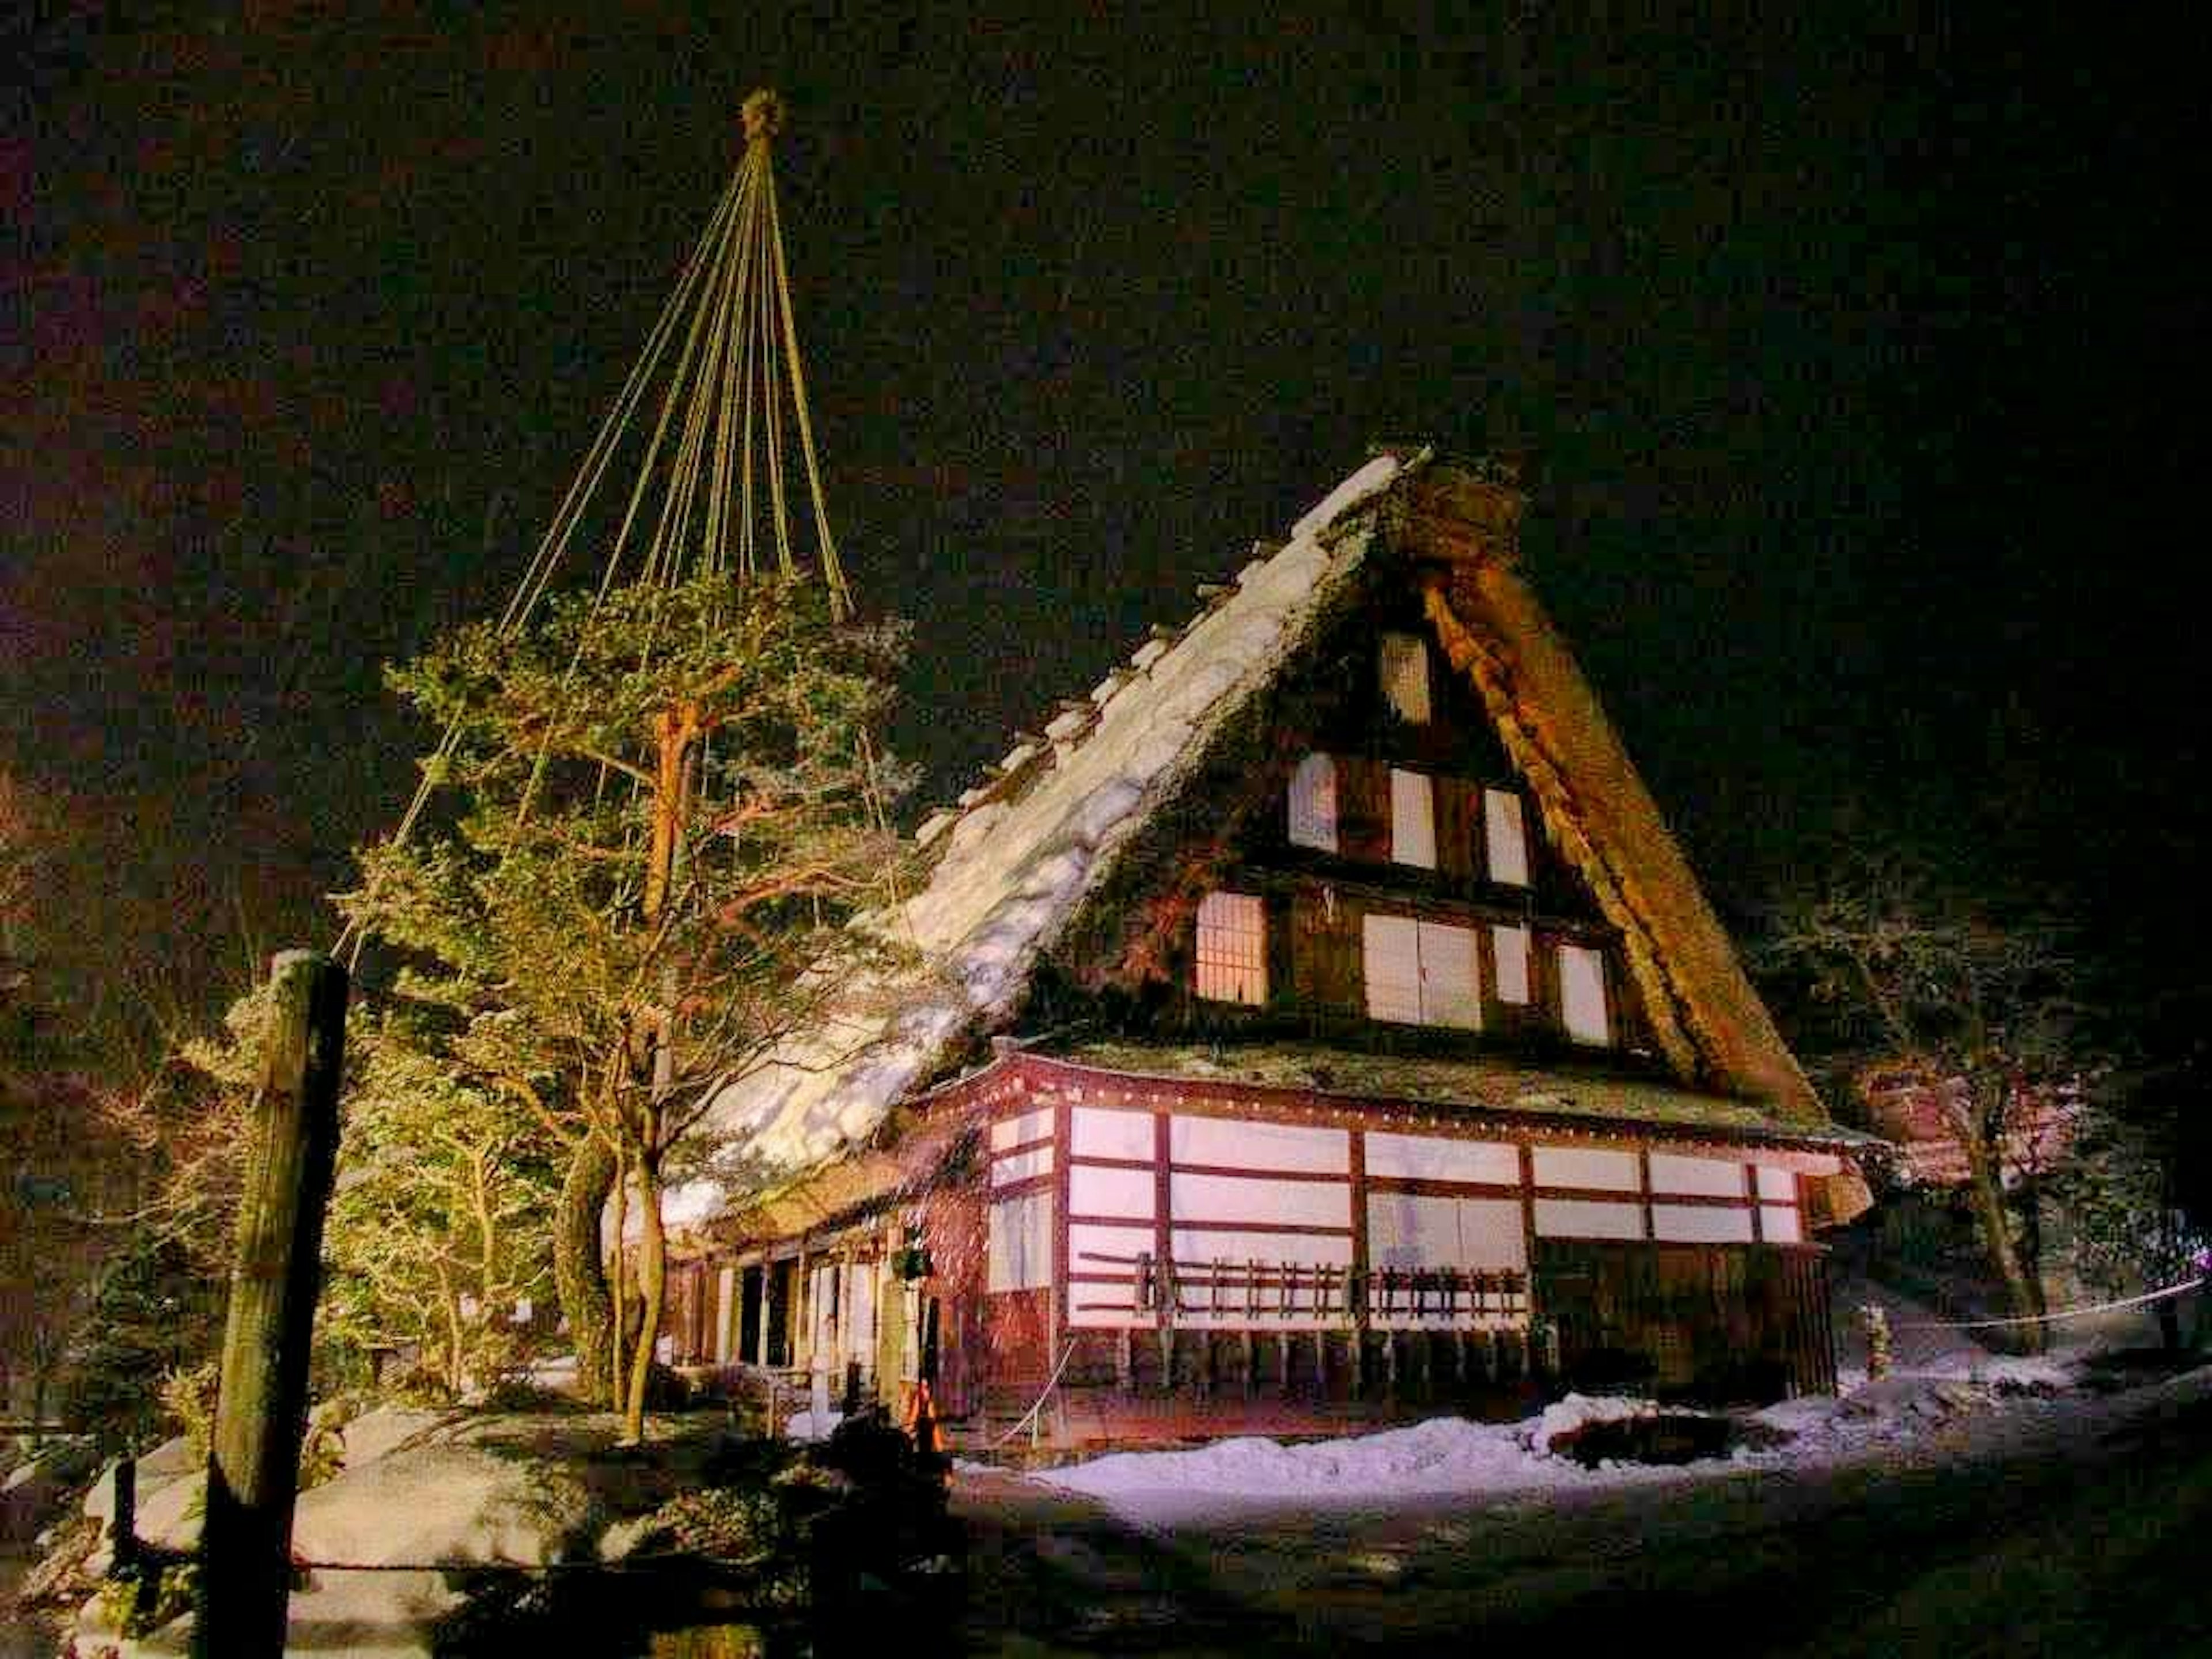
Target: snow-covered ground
pixel 1953 1388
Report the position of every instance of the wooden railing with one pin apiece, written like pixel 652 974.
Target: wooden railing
pixel 1258 1290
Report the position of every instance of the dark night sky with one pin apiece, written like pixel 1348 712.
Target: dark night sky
pixel 1848 361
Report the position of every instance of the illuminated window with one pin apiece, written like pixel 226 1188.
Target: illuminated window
pixel 1406 676
pixel 1582 993
pixel 1504 838
pixel 1413 820
pixel 1232 949
pixel 1510 947
pixel 1313 804
pixel 1420 973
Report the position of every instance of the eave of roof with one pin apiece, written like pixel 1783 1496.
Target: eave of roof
pixel 1475 1087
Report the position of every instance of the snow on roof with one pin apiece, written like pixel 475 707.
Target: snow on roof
pixel 1019 858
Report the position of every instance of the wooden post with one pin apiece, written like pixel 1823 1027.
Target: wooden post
pixel 123 1528
pixel 253 1463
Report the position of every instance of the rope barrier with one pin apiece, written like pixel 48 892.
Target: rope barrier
pixel 2147 1297
pixel 1051 1383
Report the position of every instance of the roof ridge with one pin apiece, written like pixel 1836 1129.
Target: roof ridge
pixel 1360 492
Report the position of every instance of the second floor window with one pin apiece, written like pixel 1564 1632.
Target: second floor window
pixel 1582 995
pixel 1232 949
pixel 1505 842
pixel 1413 820
pixel 1313 804
pixel 1420 973
pixel 1405 664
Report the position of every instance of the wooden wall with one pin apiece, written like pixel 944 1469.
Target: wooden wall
pixel 1722 1322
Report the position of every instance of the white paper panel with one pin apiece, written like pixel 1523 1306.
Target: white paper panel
pixel 1313 804
pixel 1092 1191
pixel 1021 1243
pixel 1101 1307
pixel 1451 992
pixel 1779 1186
pixel 1575 1218
pixel 1245 1198
pixel 1510 945
pixel 1391 960
pixel 1413 820
pixel 1781 1224
pixel 1094 1248
pixel 1491 1234
pixel 1432 1157
pixel 1309 1249
pixel 1580 1166
pixel 725 1315
pixel 1239 1144
pixel 1582 993
pixel 1711 1178
pixel 1407 1229
pixel 1019 1130
pixel 859 1318
pixel 1021 1166
pixel 1700 1224
pixel 1504 838
pixel 1099 1133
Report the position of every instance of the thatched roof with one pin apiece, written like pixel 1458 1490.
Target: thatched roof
pixel 1025 854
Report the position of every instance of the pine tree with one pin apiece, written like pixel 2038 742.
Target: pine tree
pixel 671 803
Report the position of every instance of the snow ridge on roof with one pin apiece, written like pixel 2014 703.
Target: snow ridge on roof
pixel 1020 856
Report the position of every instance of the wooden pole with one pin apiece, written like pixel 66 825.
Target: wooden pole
pixel 254 1464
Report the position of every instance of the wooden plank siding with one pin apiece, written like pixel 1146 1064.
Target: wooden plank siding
pixel 1728 1321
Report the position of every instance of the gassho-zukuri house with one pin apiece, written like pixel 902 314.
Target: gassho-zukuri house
pixel 1316 1020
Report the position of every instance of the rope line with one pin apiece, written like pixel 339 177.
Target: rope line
pixel 732 311
pixel 1051 1383
pixel 2147 1297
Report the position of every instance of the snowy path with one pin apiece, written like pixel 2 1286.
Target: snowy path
pixel 2074 1525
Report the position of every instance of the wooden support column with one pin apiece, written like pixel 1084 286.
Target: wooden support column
pixel 261 1408
pixel 1355 1279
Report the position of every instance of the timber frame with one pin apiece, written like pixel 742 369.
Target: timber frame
pixel 1467 1097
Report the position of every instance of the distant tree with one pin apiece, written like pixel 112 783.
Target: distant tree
pixel 2130 1233
pixel 670 802
pixel 51 1159
pixel 1897 973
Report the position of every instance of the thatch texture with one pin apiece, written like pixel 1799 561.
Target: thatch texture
pixel 1710 1021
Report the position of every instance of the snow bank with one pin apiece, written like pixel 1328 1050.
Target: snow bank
pixel 1443 1457
pixel 1448 1457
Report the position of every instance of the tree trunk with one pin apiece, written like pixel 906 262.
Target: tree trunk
pixel 579 1275
pixel 1985 1187
pixel 618 1358
pixel 652 1284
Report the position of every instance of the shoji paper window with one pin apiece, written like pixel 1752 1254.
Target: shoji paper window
pixel 1406 676
pixel 1313 804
